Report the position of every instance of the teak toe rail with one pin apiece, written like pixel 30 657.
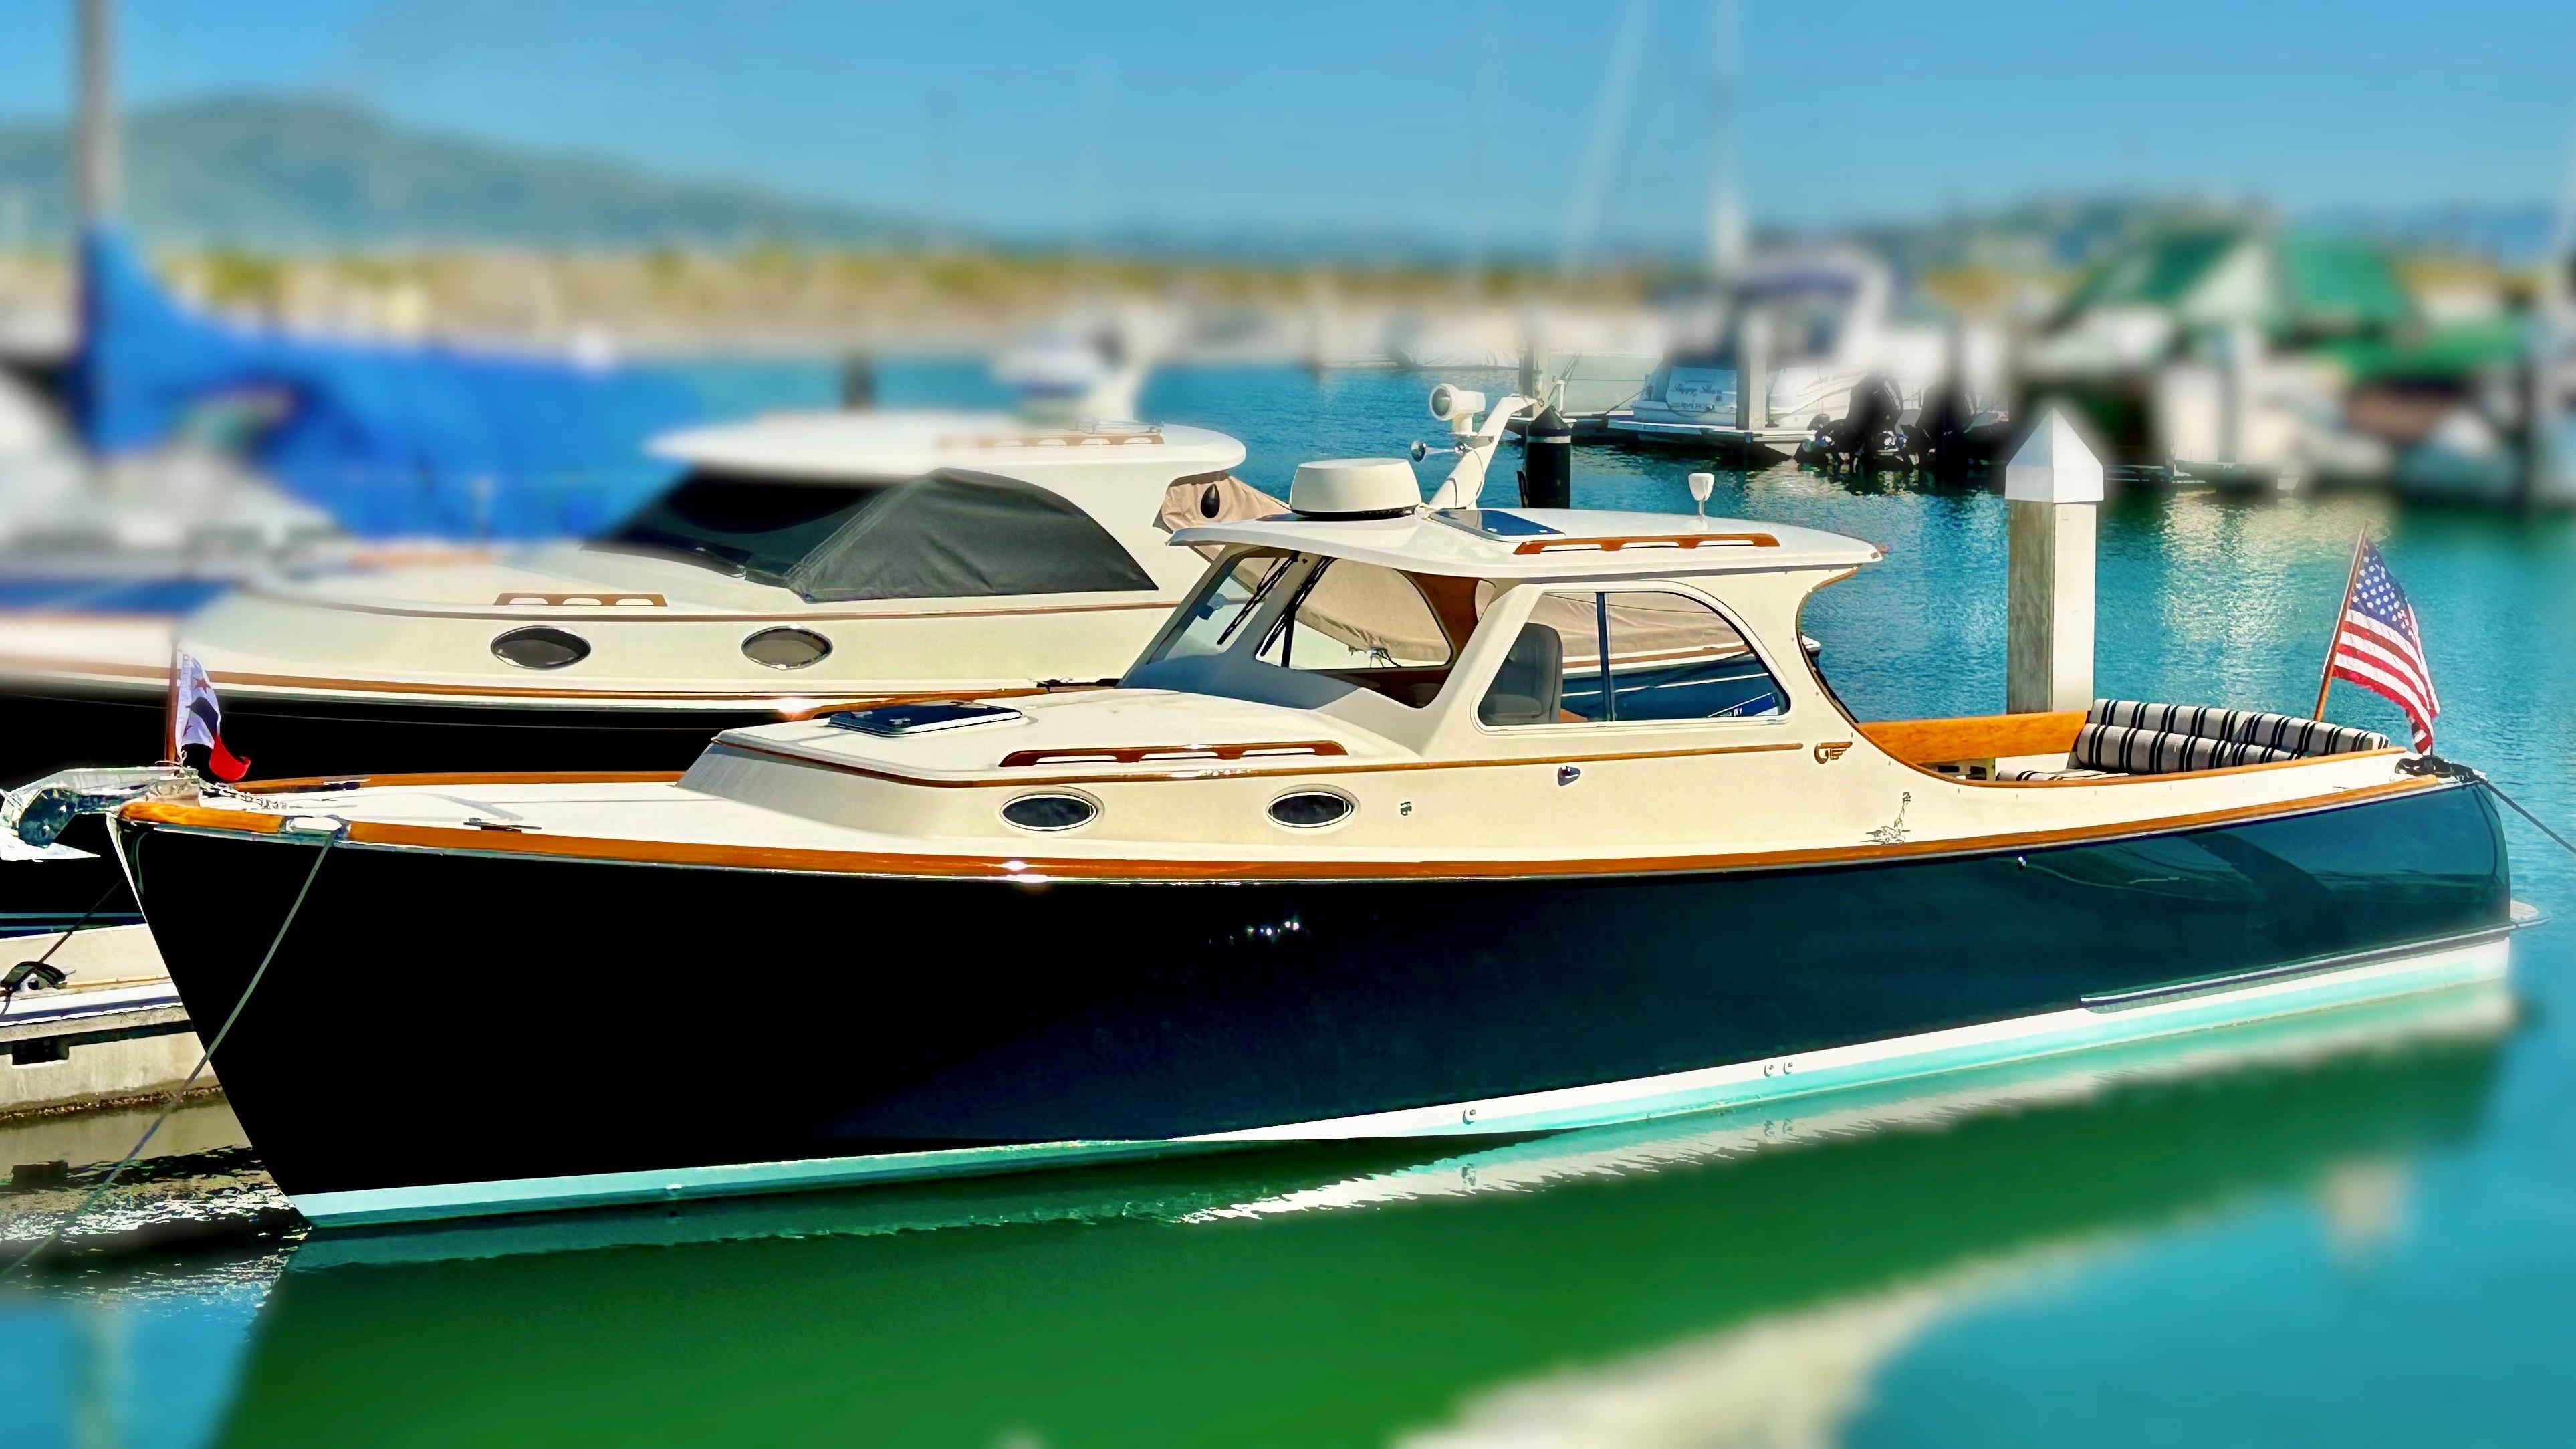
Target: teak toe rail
pixel 1646 540
pixel 1131 754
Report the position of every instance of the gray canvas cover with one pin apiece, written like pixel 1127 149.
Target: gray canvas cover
pixel 953 535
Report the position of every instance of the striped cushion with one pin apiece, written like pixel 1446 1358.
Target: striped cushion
pixel 2205 720
pixel 2130 750
pixel 2295 736
pixel 2287 735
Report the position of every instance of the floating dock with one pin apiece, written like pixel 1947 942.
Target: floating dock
pixel 113 1032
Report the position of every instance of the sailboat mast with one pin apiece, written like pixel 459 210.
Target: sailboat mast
pixel 95 160
pixel 1725 204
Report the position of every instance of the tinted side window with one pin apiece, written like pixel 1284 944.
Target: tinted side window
pixel 1670 657
pixel 1673 657
pixel 1552 675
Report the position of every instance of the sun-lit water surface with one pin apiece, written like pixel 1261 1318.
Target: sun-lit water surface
pixel 2352 1229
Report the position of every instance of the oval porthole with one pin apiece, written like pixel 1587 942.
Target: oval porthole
pixel 786 648
pixel 1310 809
pixel 1049 812
pixel 540 648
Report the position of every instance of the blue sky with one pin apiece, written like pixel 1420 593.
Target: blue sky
pixel 1455 121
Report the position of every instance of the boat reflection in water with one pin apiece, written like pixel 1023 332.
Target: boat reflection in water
pixel 1706 1278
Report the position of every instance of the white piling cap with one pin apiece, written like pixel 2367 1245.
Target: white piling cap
pixel 1354 488
pixel 2054 465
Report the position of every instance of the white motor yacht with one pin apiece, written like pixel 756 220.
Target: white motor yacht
pixel 1818 324
pixel 1405 822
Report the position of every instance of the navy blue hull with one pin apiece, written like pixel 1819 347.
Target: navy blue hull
pixel 451 1018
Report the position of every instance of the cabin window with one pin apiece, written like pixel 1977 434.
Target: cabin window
pixel 540 648
pixel 1050 812
pixel 1311 809
pixel 1357 616
pixel 1670 657
pixel 786 648
pixel 1673 657
pixel 1552 673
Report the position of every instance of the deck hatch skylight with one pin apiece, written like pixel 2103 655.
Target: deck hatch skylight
pixel 1493 523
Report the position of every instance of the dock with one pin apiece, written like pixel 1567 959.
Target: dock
pixel 113 1032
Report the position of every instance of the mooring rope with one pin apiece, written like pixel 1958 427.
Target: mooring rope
pixel 2518 808
pixel 171 1104
pixel 2442 769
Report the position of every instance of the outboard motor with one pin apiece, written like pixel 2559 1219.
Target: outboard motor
pixel 1874 428
pixel 1547 465
pixel 1818 446
pixel 1940 437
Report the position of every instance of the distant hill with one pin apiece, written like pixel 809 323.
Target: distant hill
pixel 301 174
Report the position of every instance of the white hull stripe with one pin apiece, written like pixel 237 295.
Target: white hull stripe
pixel 1739 1084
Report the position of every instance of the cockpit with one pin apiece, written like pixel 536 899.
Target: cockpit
pixel 1300 628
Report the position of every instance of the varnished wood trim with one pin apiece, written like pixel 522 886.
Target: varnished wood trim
pixel 869 701
pixel 597 598
pixel 1133 754
pixel 465 840
pixel 1979 737
pixel 1651 540
pixel 1920 742
pixel 203 817
pixel 1243 768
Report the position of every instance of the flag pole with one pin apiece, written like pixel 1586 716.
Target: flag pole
pixel 170 711
pixel 2325 678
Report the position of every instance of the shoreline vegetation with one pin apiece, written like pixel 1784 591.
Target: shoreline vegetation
pixel 791 300
pixel 783 300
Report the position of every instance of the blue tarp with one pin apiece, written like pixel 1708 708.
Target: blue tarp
pixel 393 440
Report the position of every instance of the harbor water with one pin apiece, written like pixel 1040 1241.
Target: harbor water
pixel 2354 1228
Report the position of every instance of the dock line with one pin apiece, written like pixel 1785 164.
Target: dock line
pixel 171 1103
pixel 2442 769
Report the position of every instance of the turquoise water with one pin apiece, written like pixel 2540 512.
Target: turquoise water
pixel 2353 1230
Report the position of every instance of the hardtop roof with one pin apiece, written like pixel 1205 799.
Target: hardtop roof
pixel 1495 543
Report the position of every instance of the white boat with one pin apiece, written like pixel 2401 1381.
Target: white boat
pixel 1820 323
pixel 1589 388
pixel 1406 822
pixel 800 563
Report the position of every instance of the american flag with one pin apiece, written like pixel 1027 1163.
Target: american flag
pixel 2378 647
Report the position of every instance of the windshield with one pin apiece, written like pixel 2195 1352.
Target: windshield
pixel 1225 604
pixel 753 528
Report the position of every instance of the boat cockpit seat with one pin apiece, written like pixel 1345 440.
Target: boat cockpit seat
pixel 2294 737
pixel 2134 737
pixel 1527 689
